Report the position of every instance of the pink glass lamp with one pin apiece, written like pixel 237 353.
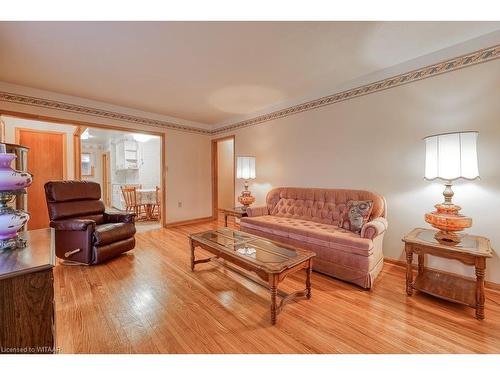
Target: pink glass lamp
pixel 12 183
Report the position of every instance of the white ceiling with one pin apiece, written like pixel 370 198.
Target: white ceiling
pixel 210 72
pixel 102 136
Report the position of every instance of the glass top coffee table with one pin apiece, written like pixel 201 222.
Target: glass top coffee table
pixel 270 260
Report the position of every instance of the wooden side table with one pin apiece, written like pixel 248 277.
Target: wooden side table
pixel 235 212
pixel 472 250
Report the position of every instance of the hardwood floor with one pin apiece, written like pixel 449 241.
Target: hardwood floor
pixel 149 301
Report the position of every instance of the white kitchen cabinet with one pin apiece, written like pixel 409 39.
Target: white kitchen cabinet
pixel 127 155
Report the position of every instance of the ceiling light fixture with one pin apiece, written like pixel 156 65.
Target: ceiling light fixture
pixel 142 137
pixel 86 135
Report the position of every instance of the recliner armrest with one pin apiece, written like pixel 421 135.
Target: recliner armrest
pixel 257 211
pixel 374 228
pixel 119 218
pixel 72 224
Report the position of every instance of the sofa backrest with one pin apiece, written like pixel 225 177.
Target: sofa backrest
pixel 74 199
pixel 319 205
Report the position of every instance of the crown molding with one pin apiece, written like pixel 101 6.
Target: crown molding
pixel 75 108
pixel 446 66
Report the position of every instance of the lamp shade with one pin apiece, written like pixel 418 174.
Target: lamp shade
pixel 451 156
pixel 245 167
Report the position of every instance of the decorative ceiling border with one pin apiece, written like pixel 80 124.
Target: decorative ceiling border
pixel 67 107
pixel 473 58
pixel 477 57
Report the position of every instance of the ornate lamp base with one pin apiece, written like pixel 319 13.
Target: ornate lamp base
pixel 448 238
pixel 11 221
pixel 447 219
pixel 13 243
pixel 246 198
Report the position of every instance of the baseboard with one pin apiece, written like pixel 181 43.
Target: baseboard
pixel 487 284
pixel 187 222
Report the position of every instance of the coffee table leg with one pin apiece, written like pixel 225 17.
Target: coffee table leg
pixel 225 220
pixel 308 279
pixel 192 254
pixel 273 284
pixel 480 271
pixel 409 270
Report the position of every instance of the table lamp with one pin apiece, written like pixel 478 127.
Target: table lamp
pixel 245 170
pixel 12 184
pixel 448 157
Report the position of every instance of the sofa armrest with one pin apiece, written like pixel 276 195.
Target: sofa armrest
pixel 119 218
pixel 72 224
pixel 374 228
pixel 257 211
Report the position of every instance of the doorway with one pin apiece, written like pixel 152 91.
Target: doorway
pixel 70 161
pixel 223 174
pixel 127 166
pixel 49 164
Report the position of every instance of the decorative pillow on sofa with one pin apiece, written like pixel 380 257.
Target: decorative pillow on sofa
pixel 355 215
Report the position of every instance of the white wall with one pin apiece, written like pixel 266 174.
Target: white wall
pixel 11 123
pixel 225 176
pixel 375 142
pixel 188 154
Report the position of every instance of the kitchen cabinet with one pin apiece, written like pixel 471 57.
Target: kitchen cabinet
pixel 127 157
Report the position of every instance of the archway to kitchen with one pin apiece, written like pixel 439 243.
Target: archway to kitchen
pixel 116 158
pixel 127 165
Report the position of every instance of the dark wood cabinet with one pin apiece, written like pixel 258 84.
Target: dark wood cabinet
pixel 27 320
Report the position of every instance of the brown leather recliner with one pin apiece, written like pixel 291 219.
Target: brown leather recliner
pixel 84 232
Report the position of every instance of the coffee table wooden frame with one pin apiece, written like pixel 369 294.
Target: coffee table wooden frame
pixel 271 277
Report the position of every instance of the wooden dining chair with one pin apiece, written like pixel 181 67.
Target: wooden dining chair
pixel 130 198
pixel 157 206
pixel 137 186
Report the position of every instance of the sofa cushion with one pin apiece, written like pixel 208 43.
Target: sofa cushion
pixel 311 232
pixel 319 205
pixel 108 233
pixel 309 210
pixel 75 209
pixel 67 191
pixel 355 215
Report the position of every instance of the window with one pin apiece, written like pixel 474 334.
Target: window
pixel 87 167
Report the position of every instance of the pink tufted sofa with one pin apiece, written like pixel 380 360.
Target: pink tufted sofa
pixel 307 218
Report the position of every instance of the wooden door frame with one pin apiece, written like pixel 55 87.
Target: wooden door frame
pixel 105 159
pixel 163 161
pixel 215 173
pixel 2 131
pixel 63 135
pixel 77 152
